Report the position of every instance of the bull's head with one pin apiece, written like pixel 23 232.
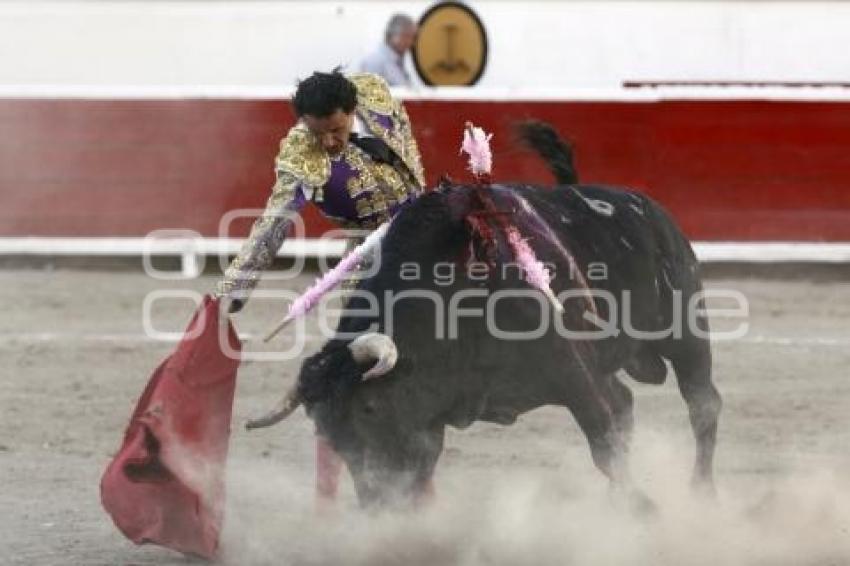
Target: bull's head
pixel 362 397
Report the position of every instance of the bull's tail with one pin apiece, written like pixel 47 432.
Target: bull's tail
pixel 542 138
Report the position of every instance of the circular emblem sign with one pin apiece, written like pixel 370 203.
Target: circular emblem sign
pixel 451 46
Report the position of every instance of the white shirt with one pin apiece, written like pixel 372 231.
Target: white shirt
pixel 385 62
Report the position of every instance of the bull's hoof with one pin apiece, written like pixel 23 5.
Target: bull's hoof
pixel 634 502
pixel 640 505
pixel 704 488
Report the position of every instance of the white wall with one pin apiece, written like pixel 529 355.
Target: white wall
pixel 591 43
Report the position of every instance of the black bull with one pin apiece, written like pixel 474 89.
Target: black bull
pixel 445 365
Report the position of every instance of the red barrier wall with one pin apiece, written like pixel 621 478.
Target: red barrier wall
pixel 727 169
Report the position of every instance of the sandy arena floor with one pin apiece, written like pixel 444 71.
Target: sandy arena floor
pixel 74 358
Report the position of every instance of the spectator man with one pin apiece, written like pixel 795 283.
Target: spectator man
pixel 388 59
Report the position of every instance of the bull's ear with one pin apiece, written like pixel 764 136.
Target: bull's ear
pixel 374 347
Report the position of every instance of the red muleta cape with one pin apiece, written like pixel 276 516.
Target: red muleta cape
pixel 166 484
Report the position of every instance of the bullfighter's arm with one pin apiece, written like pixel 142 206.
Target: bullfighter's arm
pixel 267 236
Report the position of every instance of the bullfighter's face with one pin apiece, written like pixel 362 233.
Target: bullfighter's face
pixel 378 426
pixel 331 131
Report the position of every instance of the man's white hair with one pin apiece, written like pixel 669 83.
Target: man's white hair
pixel 397 24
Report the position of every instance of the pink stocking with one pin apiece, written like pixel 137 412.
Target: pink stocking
pixel 328 470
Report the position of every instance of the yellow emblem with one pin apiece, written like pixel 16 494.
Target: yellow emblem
pixel 451 46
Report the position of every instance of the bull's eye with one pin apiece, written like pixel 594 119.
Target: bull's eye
pixel 369 408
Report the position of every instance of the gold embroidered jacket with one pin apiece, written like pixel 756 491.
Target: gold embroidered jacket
pixel 352 189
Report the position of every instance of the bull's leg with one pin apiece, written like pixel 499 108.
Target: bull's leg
pixel 426 494
pixel 593 407
pixel 692 364
pixel 595 417
pixel 424 490
pixel 622 405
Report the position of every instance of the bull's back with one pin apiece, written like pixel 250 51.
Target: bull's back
pixel 622 229
pixel 626 244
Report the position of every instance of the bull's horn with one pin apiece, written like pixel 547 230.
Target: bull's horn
pixel 283 409
pixel 374 346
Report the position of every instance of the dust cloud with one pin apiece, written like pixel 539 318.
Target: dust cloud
pixel 553 517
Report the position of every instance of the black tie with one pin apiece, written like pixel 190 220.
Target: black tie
pixel 375 148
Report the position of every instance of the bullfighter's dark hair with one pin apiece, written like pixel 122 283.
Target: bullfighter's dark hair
pixel 322 94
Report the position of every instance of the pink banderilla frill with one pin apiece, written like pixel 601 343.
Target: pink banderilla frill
pixel 311 297
pixel 535 272
pixel 476 143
